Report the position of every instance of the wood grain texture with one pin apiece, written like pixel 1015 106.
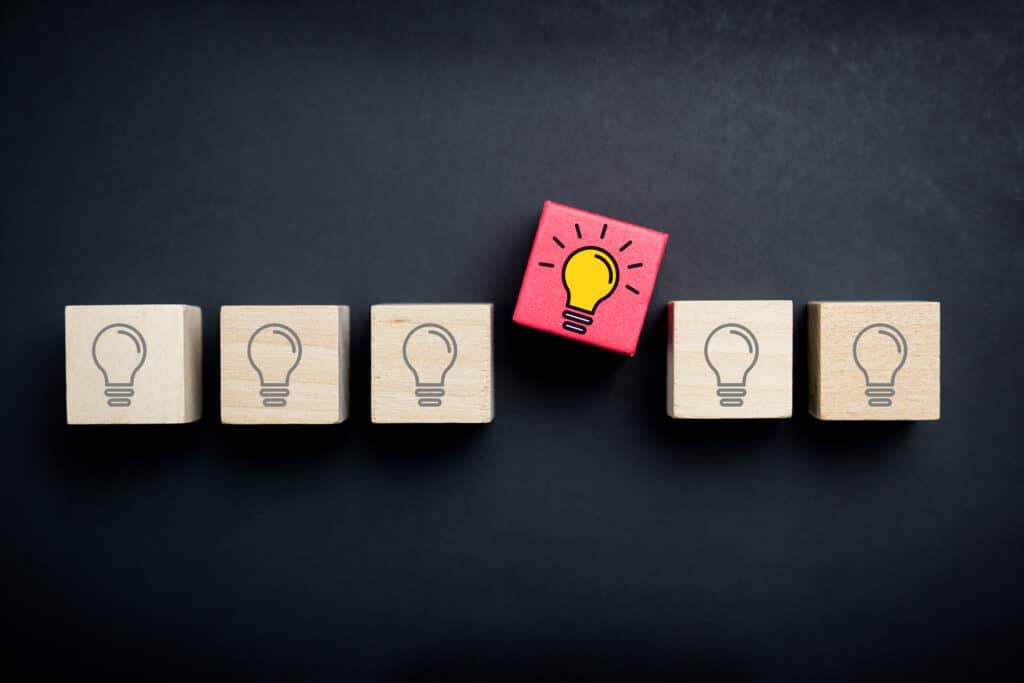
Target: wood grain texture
pixel 874 360
pixel 284 364
pixel 431 363
pixel 749 343
pixel 133 364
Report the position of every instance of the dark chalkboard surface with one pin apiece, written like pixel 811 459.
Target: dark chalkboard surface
pixel 299 153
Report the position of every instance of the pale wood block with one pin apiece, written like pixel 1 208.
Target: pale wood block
pixel 284 364
pixel 730 359
pixel 133 364
pixel 431 363
pixel 874 360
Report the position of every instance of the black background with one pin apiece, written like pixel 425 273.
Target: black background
pixel 293 153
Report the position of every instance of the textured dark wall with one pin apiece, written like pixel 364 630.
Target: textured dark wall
pixel 299 153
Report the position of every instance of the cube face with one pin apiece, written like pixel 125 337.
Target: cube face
pixel 730 359
pixel 874 360
pixel 284 364
pixel 431 363
pixel 133 364
pixel 589 278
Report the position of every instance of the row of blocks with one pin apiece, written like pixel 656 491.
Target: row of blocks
pixel 433 363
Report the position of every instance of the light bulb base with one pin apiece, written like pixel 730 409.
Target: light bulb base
pixel 880 397
pixel 576 322
pixel 274 397
pixel 119 397
pixel 731 397
pixel 429 397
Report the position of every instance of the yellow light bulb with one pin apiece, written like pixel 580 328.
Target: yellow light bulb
pixel 590 276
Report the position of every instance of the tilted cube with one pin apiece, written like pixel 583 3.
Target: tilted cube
pixel 589 278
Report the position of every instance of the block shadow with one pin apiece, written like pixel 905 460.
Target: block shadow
pixel 568 658
pixel 102 452
pixel 561 368
pixel 423 445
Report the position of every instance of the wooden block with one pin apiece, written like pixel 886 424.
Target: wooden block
pixel 730 359
pixel 874 360
pixel 589 278
pixel 431 363
pixel 133 364
pixel 284 364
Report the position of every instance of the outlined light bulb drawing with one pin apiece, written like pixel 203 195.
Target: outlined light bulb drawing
pixel 880 351
pixel 429 351
pixel 731 351
pixel 275 350
pixel 119 350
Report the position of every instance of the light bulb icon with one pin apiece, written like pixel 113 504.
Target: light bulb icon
pixel 275 350
pixel 590 275
pixel 119 350
pixel 731 351
pixel 880 350
pixel 429 351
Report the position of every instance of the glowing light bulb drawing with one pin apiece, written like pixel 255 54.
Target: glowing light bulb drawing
pixel 590 275
pixel 731 351
pixel 119 350
pixel 880 350
pixel 429 351
pixel 275 350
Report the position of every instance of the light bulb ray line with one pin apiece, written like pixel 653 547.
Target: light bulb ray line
pixel 560 243
pixel 579 233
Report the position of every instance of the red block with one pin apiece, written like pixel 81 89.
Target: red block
pixel 589 278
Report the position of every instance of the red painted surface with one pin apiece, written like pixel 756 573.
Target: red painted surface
pixel 616 321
